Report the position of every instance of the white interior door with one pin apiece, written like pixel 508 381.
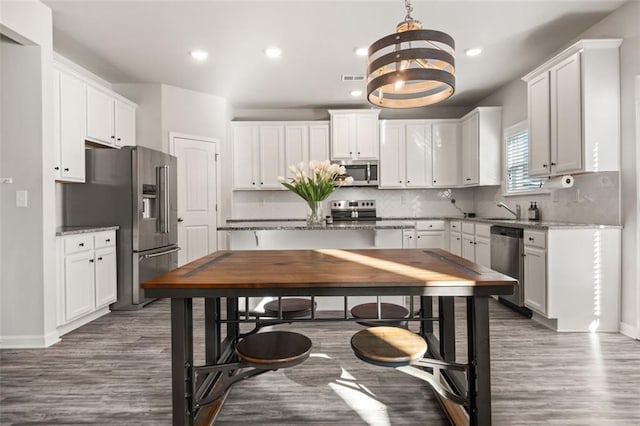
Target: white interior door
pixel 197 187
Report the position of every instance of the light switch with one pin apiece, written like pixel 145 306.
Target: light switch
pixel 21 198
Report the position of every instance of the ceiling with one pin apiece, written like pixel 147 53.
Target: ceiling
pixel 149 41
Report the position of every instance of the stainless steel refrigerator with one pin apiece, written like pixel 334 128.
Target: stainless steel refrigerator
pixel 135 188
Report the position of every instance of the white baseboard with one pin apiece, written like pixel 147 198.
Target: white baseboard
pixel 29 341
pixel 629 330
pixel 66 328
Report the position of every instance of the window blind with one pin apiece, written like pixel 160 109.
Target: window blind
pixel 517 143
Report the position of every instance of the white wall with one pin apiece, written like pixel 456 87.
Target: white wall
pixel 310 114
pixel 28 271
pixel 148 114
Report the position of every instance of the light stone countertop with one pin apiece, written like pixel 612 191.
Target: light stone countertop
pixel 298 224
pixel 70 230
pixel 397 223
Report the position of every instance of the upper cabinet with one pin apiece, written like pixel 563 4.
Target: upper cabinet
pixel 84 111
pixel 446 153
pixel 481 142
pixel 405 154
pixel 354 134
pixel 263 151
pixel 69 127
pixel 574 110
pixel 110 120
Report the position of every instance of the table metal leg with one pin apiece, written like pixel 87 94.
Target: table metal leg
pixel 233 329
pixel 447 327
pixel 182 360
pixel 212 329
pixel 479 375
pixel 426 311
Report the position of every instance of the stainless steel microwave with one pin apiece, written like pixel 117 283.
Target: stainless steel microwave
pixel 364 173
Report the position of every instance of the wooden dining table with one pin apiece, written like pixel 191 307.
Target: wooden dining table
pixel 429 275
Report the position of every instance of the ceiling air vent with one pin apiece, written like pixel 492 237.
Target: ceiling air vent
pixel 352 77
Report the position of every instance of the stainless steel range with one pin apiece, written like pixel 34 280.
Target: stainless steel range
pixel 353 210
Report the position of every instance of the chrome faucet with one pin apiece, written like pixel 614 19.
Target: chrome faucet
pixel 516 213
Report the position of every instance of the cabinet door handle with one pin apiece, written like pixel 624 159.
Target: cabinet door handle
pixel 434 181
pixel 544 166
pixel 66 169
pixel 90 260
pixel 108 240
pixel 119 139
pixel 530 238
pixel 81 244
pixel 399 181
pixel 468 179
pixel 358 152
pixel 100 258
pixel 56 168
pixel 113 137
pixel 408 181
pixel 253 183
pixel 553 164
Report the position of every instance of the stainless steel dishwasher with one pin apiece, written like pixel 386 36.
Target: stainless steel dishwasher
pixel 507 250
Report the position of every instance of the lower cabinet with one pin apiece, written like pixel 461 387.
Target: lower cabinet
pixel 572 278
pixel 455 243
pixel 535 278
pixel 87 281
pixel 430 234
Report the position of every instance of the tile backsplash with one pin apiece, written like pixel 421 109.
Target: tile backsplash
pixel 389 203
pixel 594 198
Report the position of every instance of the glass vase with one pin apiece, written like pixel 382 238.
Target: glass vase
pixel 315 217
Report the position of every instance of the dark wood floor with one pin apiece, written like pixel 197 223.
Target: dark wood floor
pixel 116 371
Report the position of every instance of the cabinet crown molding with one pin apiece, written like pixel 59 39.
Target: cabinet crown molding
pixel 599 43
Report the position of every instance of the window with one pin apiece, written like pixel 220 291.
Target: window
pixel 517 160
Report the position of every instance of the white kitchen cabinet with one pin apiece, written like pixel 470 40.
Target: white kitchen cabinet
pixel 430 234
pixel 455 243
pixel 468 247
pixel 446 153
pixel 535 278
pixel 87 283
pixel 354 134
pixel 574 115
pixel 481 144
pixel 110 119
pixel 409 238
pixel 483 244
pixel 405 154
pixel 263 151
pixel 572 278
pixel 271 155
pixel 318 142
pixel 69 127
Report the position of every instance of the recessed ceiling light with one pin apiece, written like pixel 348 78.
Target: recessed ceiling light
pixel 361 51
pixel 199 55
pixel 474 51
pixel 356 93
pixel 273 52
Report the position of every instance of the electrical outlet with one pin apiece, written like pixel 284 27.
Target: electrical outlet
pixel 21 198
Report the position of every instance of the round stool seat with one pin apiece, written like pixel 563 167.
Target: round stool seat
pixel 274 349
pixel 292 307
pixel 388 346
pixel 388 310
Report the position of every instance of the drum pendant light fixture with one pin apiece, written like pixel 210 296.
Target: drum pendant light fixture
pixel 411 68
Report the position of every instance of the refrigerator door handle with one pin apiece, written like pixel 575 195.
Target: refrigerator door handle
pixel 163 193
pixel 162 253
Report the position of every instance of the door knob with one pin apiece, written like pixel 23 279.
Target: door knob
pixel 180 220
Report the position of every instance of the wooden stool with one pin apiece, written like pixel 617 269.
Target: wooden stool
pixel 387 310
pixel 292 307
pixel 388 346
pixel 258 354
pixel 274 349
